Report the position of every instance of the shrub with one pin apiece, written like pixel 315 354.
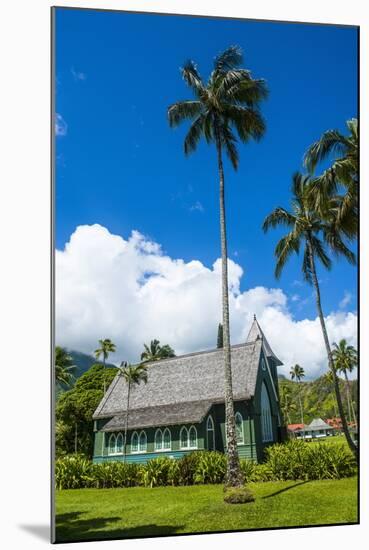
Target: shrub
pixel 72 472
pixel 237 495
pixel 301 460
pixel 248 469
pixel 157 471
pixel 211 467
pixel 115 474
pixel 187 468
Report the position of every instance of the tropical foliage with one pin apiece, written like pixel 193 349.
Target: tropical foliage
pixel 74 410
pixel 292 460
pixel 225 106
pixel 345 361
pixel 297 373
pixel 64 368
pixel 343 172
pixel 155 352
pixel 318 236
pixel 106 347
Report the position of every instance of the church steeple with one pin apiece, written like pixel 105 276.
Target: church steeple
pixel 256 333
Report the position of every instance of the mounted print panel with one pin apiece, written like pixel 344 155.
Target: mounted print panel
pixel 205 275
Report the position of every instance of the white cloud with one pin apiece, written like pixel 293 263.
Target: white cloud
pixel 346 300
pixel 197 206
pixel 78 75
pixel 129 291
pixel 61 126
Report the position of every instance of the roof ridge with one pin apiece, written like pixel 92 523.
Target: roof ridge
pixel 193 353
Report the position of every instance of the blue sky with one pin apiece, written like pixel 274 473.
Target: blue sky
pixel 120 165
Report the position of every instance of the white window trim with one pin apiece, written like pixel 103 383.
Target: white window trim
pixel 238 414
pixel 161 439
pixel 187 438
pixel 115 452
pixel 110 452
pixel 266 418
pixel 139 442
pixel 170 440
pixel 212 430
pixel 121 436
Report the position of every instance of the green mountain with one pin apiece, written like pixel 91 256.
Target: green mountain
pixel 83 362
pixel 318 398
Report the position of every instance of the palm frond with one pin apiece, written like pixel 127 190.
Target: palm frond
pixel 285 248
pixel 279 216
pixel 331 142
pixel 193 135
pixel 193 79
pixel 228 59
pixel 320 252
pixel 248 122
pixel 183 110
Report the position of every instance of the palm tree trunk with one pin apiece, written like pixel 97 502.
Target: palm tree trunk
pixel 349 440
pixel 234 476
pixel 301 412
pixel 104 374
pixel 348 396
pixel 126 423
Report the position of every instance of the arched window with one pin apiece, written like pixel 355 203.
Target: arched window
pixel 183 438
pixel 266 415
pixel 112 442
pixel 166 440
pixel 192 438
pixel 239 428
pixel 119 444
pixel 210 436
pixel 134 442
pixel 142 445
pixel 158 440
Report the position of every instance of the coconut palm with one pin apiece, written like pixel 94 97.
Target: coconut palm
pixel 342 172
pixel 287 405
pixel 318 237
pixel 106 347
pixel 155 352
pixel 328 379
pixel 226 105
pixel 345 360
pixel 133 375
pixel 297 373
pixel 64 367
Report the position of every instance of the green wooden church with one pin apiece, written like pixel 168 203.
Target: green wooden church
pixel 181 408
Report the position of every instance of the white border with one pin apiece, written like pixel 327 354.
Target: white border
pixel 25 219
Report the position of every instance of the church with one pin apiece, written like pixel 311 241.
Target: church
pixel 181 407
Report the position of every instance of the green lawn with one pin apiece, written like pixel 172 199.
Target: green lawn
pixel 137 512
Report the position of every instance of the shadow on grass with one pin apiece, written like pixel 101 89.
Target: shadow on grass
pixel 286 489
pixel 72 527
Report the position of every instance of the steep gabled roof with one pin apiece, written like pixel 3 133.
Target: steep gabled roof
pixel 255 334
pixel 318 424
pixel 178 381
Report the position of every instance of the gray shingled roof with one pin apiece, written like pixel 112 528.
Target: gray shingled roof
pixel 164 415
pixel 256 333
pixel 318 424
pixel 174 383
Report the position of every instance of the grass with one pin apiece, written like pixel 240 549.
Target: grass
pixel 85 514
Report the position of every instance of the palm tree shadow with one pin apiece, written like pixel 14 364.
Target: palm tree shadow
pixel 71 527
pixel 286 489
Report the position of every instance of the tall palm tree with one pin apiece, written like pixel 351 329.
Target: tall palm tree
pixel 133 375
pixel 297 373
pixel 226 105
pixel 155 352
pixel 317 236
pixel 64 367
pixel 328 378
pixel 287 404
pixel 342 172
pixel 106 347
pixel 345 360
